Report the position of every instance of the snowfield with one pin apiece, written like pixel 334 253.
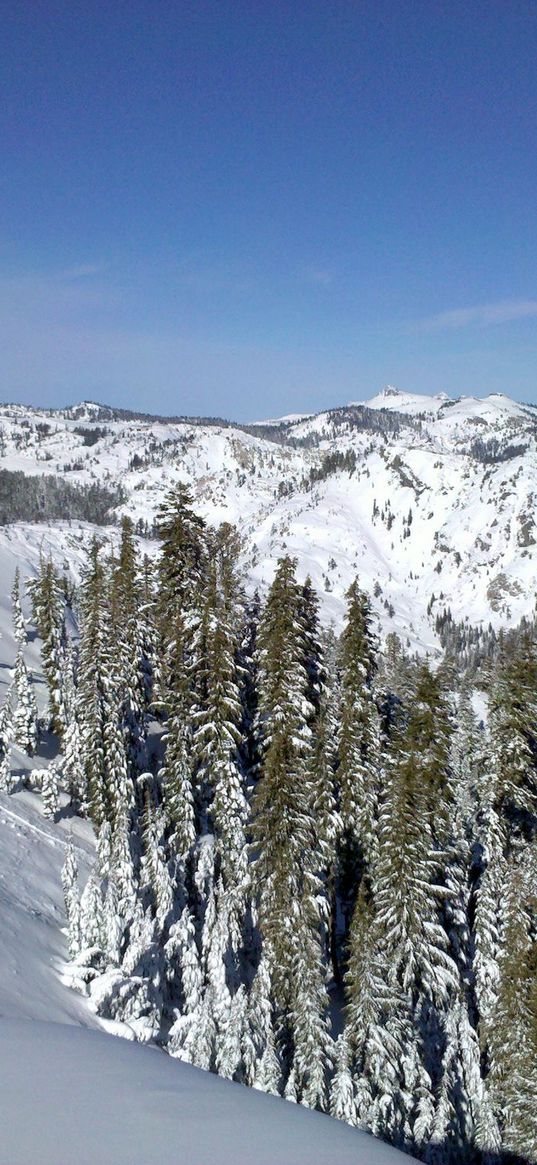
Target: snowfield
pixel 76 1097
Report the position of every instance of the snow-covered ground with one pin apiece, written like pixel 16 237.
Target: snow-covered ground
pixel 74 1096
pixel 32 945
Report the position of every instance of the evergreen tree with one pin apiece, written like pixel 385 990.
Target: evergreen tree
pixel 130 635
pixel 369 1082
pixel 24 722
pixel 358 749
pixel 409 892
pixel 181 574
pixel 19 623
pixel 73 761
pixel 513 1032
pixel 513 724
pixel 50 789
pixel 285 843
pixel 71 899
pixel 48 607
pixel 6 737
pixel 216 740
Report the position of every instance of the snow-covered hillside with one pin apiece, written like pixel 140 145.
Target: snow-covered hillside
pixel 429 500
pixel 82 1097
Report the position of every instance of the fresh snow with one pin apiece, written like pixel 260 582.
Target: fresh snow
pixel 82 1098
pixel 77 1096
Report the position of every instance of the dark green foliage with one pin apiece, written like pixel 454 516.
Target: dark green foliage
pixel 90 436
pixel 44 499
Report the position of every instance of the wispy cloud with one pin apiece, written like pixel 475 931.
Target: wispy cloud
pixel 83 271
pixel 481 316
pixel 318 276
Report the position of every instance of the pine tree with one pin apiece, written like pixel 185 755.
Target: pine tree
pixel 6 737
pixel 513 1032
pixel 358 770
pixel 409 893
pixel 284 836
pixel 513 725
pixel 93 683
pixel 368 1086
pixel 359 731
pixel 19 623
pixel 50 790
pixel 24 722
pixel 71 899
pixel 98 711
pixel 48 606
pixel 181 574
pixel 73 761
pixel 222 806
pixel 130 635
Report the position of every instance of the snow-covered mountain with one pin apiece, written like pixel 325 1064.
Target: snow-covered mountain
pixel 429 500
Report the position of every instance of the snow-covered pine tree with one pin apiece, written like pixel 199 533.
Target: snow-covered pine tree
pixel 71 899
pixel 181 575
pixel 369 1081
pixel 50 791
pixel 130 634
pixel 512 1078
pixel 288 886
pixel 25 721
pixel 358 771
pixel 47 596
pixel 488 906
pixel 93 682
pixel 408 893
pixel 99 704
pixel 513 729
pixel 73 765
pixel 19 622
pixel 6 737
pixel 222 805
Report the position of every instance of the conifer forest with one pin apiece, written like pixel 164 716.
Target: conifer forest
pixel 316 857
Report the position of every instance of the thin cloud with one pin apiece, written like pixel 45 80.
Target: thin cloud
pixel 318 276
pixel 83 271
pixel 483 315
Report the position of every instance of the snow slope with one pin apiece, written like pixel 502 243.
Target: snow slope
pixel 75 1097
pixel 70 1095
pixel 32 946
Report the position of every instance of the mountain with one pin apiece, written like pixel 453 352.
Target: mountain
pixel 429 500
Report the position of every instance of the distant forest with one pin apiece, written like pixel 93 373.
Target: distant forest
pixel 45 498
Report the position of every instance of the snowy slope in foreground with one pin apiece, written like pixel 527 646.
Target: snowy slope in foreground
pixel 77 1096
pixel 32 946
pixel 73 1096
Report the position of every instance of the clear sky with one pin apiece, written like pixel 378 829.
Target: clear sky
pixel 251 207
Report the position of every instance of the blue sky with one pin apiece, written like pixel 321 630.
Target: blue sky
pixel 248 208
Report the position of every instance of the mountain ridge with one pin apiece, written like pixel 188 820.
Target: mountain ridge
pixel 429 499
